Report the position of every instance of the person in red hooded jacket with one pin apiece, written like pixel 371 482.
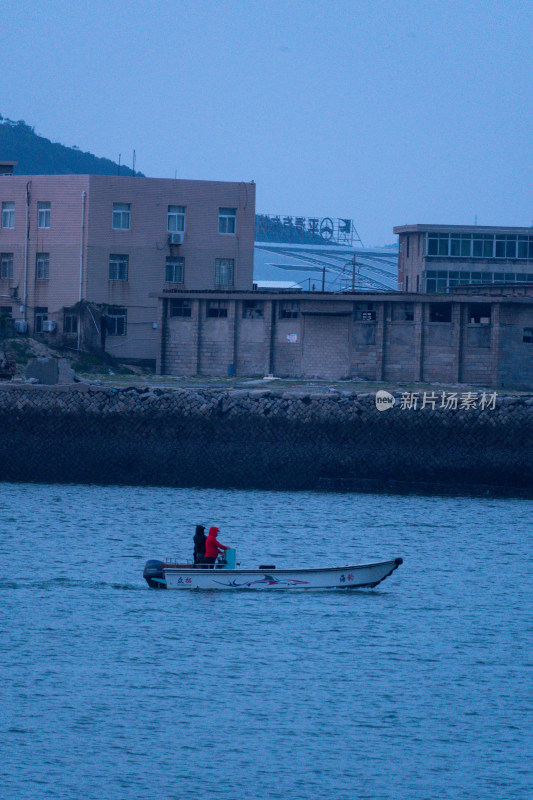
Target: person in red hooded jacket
pixel 212 548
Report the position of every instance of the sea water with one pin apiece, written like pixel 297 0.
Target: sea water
pixel 420 688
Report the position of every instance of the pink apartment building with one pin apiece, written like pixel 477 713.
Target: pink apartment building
pixel 81 256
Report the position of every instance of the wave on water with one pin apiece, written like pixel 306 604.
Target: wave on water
pixel 67 583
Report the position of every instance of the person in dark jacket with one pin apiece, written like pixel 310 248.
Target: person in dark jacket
pixel 199 544
pixel 213 548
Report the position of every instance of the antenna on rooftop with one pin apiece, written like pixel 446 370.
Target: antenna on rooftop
pixel 133 164
pixel 118 167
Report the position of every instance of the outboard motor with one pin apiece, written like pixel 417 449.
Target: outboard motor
pixel 154 574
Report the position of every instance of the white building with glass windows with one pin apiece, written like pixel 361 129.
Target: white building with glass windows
pixel 83 256
pixel 435 258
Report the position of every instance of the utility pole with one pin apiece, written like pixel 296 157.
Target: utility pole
pixel 353 273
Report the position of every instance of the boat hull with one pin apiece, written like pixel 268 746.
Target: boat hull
pixel 348 577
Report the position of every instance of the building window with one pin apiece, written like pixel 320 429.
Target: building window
pixel 438 244
pixel 70 322
pixel 43 215
pixel 289 310
pixel 525 247
pixel 175 270
pixel 403 312
pixel 528 336
pixel 460 245
pixel 8 215
pixel 437 281
pixel 42 266
pixel 176 219
pixel 441 280
pixel 118 267
pixel 365 312
pixel 6 321
pixel 116 321
pixel 440 312
pixel 480 245
pixel 227 220
pixel 40 315
pixel 252 309
pixel 121 216
pixel 224 271
pixel 6 266
pixel 179 308
pixel 479 313
pixel 216 308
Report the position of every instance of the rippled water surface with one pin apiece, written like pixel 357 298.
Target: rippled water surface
pixel 420 688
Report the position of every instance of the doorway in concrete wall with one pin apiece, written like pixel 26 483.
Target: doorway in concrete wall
pixel 325 347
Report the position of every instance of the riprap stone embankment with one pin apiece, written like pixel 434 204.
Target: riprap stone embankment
pixel 262 439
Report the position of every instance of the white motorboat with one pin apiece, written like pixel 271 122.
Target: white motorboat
pixel 226 574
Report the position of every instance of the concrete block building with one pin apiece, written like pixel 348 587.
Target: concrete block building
pixel 436 258
pixel 484 339
pixel 81 255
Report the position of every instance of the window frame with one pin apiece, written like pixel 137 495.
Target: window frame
pixel 122 215
pixel 69 327
pixel 364 312
pixel 478 312
pixel 180 307
pixel 227 218
pixel 40 315
pixel 115 314
pixel 180 217
pixel 476 245
pixel 119 260
pixel 8 214
pixel 6 259
pixel 403 312
pixel 44 214
pixel 6 320
pixel 216 309
pixel 177 263
pixel 444 309
pixel 253 309
pixel 42 266
pixel 221 264
pixel 289 309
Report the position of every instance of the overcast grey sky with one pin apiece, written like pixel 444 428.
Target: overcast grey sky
pixel 389 112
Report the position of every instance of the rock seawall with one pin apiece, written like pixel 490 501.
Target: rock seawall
pixel 263 439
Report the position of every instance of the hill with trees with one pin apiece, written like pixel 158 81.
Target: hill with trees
pixel 36 155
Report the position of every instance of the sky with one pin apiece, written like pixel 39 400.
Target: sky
pixel 387 112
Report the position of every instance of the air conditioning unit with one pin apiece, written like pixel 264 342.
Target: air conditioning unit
pixel 175 238
pixel 48 326
pixel 20 325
